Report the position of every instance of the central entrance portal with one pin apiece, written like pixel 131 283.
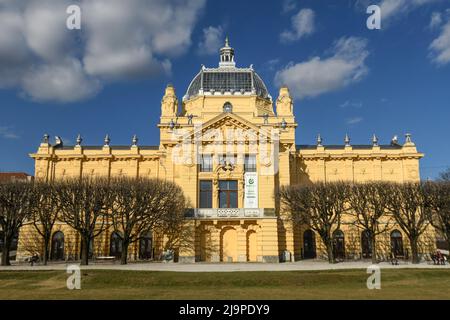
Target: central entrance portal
pixel 228 245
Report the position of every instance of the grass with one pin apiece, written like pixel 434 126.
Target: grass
pixel 342 284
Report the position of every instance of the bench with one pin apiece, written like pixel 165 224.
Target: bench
pixel 105 258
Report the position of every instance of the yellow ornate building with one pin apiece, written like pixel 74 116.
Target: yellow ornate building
pixel 230 150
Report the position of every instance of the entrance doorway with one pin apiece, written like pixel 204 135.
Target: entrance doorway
pixel 228 245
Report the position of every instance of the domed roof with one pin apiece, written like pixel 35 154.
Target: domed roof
pixel 227 79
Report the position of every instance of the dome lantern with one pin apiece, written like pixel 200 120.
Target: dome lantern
pixel 227 56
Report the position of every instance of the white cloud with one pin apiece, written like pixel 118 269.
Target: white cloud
pixel 351 104
pixel 302 26
pixel 212 40
pixel 318 75
pixel 271 64
pixel 289 5
pixel 440 47
pixel 119 40
pixel 6 132
pixel 436 20
pixel 354 120
pixel 390 9
pixel 66 82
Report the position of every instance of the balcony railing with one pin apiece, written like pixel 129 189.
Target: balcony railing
pixel 227 213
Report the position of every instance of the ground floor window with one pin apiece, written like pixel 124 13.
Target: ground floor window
pixel 366 244
pixel 115 246
pixel 309 245
pixel 397 243
pixel 146 246
pixel 228 194
pixel 57 251
pixel 339 245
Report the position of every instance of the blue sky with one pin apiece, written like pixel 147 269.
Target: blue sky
pixel 390 81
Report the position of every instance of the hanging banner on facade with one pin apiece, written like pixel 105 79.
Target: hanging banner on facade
pixel 251 190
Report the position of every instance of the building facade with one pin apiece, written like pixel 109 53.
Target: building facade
pixel 231 147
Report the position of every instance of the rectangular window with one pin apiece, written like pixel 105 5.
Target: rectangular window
pixel 206 164
pixel 227 158
pixel 205 194
pixel 250 163
pixel 228 194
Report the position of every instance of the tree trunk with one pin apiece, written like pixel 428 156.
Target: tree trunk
pixel 46 252
pixel 5 255
pixel 124 255
pixel 414 251
pixel 329 244
pixel 374 249
pixel 85 251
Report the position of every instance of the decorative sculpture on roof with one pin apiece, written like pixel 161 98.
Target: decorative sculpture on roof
pixel 169 103
pixel 284 103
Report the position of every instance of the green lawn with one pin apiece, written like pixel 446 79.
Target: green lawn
pixel 343 284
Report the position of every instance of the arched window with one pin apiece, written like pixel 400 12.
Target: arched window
pixel 57 252
pixel 366 244
pixel 227 107
pixel 397 243
pixel 115 246
pixel 146 246
pixel 339 245
pixel 309 245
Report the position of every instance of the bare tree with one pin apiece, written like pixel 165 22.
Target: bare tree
pixel 445 175
pixel 140 205
pixel 320 206
pixel 438 195
pixel 84 206
pixel 368 203
pixel 31 243
pixel 16 202
pixel 408 204
pixel 175 227
pixel 45 213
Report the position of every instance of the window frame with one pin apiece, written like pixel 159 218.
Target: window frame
pixel 208 192
pixel 228 192
pixel 250 167
pixel 209 166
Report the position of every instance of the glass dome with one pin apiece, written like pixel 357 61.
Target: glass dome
pixel 227 81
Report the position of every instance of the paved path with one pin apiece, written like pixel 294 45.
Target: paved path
pixel 227 267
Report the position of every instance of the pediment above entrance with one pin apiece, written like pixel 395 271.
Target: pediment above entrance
pixel 229 127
